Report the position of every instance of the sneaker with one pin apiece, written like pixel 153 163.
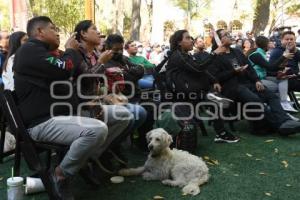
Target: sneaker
pixel 61 187
pixel 226 137
pixel 288 107
pixel 223 102
pixel 289 127
pixel 119 156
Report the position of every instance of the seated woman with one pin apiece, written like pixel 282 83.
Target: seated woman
pixel 147 81
pixel 267 71
pixel 116 117
pixel 16 39
pixel 186 76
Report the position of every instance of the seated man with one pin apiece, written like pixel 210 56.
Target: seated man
pixel 242 84
pixel 35 70
pixel 288 43
pixel 146 82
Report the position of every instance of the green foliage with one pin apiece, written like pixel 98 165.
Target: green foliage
pixel 64 13
pixel 294 10
pixel 197 8
pixel 4 13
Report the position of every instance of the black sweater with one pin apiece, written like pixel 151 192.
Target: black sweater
pixel 226 75
pixel 271 67
pixel 35 69
pixel 187 75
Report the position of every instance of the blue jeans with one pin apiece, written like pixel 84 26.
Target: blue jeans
pixel 146 82
pixel 139 115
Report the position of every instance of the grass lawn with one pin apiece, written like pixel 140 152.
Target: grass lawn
pixel 256 168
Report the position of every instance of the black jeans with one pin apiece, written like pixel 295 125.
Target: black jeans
pixel 273 112
pixel 294 85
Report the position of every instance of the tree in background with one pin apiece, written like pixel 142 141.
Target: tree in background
pixel 135 20
pixel 261 16
pixel 4 16
pixel 193 9
pixel 65 13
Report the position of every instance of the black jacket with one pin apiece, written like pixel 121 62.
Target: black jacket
pixel 226 75
pixel 35 69
pixel 184 74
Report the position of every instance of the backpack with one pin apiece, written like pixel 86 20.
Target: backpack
pixel 113 75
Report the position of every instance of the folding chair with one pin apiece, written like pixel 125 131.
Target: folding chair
pixel 2 138
pixel 293 97
pixel 29 148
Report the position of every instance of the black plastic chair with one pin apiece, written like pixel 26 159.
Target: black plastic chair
pixel 29 148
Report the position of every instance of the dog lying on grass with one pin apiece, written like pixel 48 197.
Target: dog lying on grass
pixel 172 167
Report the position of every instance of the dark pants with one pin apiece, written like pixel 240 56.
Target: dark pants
pixel 294 85
pixel 274 114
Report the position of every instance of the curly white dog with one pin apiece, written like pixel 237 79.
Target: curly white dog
pixel 172 167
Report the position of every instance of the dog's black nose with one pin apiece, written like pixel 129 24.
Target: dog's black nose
pixel 150 147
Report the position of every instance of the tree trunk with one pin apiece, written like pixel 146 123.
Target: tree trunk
pixel 136 20
pixel 118 26
pixel 261 16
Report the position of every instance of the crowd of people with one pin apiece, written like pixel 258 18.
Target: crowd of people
pixel 109 75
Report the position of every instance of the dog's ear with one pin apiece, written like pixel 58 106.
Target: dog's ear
pixel 148 135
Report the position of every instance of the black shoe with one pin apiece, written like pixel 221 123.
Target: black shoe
pixel 226 137
pixel 61 187
pixel 119 156
pixel 289 127
pixel 88 174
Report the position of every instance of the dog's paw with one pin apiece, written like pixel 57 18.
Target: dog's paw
pixel 123 172
pixel 191 189
pixel 148 176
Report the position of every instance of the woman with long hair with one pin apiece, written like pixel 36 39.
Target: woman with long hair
pixel 188 77
pixel 16 39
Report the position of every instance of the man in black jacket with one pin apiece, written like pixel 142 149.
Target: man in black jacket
pixel 240 83
pixel 35 70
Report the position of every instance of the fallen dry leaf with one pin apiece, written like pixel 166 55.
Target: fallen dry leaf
pixel 285 163
pixel 268 194
pixel 276 150
pixel 235 175
pixel 258 159
pixel 184 194
pixel 1 178
pixel 288 185
pixel 269 140
pixel 210 163
pixel 206 157
pixel 216 162
pixel 295 154
pixel 262 173
pixel 249 155
pixel 157 197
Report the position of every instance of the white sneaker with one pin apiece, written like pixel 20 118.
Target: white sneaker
pixel 224 102
pixel 287 107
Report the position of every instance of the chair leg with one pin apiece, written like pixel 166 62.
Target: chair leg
pixel 45 176
pixel 202 127
pixel 2 137
pixel 17 158
pixel 48 159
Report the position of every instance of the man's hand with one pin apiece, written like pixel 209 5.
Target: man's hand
pixel 72 43
pixel 288 55
pixel 259 86
pixel 105 56
pixel 217 87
